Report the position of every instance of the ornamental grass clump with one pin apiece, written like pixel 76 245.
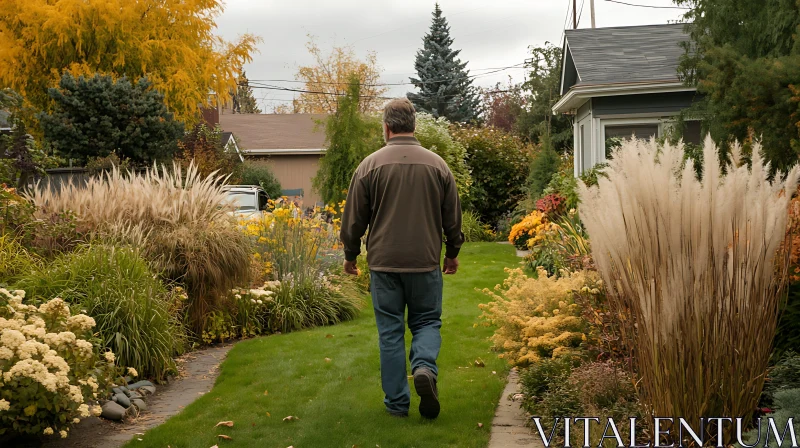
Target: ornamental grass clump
pixel 177 218
pixel 696 265
pixel 536 318
pixel 120 292
pixel 303 256
pixel 50 369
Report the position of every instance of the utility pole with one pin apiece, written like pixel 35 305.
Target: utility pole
pixel 591 5
pixel 574 14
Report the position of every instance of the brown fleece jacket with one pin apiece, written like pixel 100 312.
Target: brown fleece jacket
pixel 407 197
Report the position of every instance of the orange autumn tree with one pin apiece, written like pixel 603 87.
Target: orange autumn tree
pixel 329 78
pixel 170 41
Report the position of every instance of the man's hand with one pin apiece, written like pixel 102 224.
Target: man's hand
pixel 351 267
pixel 450 266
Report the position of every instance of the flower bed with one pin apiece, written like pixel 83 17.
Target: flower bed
pixel 51 370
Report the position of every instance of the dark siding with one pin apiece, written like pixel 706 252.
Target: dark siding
pixel 641 104
pixel 570 73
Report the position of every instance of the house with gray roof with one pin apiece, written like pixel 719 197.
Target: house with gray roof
pixel 621 82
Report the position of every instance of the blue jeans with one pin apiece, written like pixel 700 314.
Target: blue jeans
pixel 391 294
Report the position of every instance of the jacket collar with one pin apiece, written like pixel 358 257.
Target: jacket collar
pixel 403 140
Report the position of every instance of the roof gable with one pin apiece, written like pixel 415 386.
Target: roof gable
pixel 630 54
pixel 275 131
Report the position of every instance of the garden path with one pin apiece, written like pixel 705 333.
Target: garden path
pixel 199 370
pixel 508 426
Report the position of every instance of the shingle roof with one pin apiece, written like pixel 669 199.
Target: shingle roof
pixel 275 131
pixel 627 54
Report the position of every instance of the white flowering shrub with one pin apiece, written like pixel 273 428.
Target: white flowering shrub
pixel 49 368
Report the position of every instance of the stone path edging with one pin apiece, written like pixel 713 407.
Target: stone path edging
pixel 198 373
pixel 508 425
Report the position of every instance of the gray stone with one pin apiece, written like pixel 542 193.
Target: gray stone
pixel 125 390
pixel 139 384
pixel 116 390
pixel 149 390
pixel 135 396
pixel 122 400
pixel 140 404
pixel 113 411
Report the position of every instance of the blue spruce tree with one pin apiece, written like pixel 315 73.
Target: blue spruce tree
pixel 445 89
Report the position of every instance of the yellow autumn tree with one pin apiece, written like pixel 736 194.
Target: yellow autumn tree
pixel 170 41
pixel 328 79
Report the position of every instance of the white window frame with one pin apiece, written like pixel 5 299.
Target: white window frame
pixel 603 122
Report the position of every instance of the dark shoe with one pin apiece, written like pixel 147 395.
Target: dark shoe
pixel 397 414
pixel 425 384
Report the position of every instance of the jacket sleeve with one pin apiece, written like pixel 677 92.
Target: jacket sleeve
pixel 451 217
pixel 356 217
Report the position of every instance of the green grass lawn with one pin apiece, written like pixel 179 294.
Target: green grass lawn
pixel 339 400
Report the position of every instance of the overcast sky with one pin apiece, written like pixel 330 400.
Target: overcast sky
pixel 492 34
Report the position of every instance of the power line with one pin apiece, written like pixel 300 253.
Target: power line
pixel 564 27
pixel 315 92
pixel 580 13
pixel 478 75
pixel 648 6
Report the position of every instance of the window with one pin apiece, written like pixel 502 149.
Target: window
pixel 615 133
pixel 693 133
pixel 262 200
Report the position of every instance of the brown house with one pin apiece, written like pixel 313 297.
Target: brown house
pixel 291 143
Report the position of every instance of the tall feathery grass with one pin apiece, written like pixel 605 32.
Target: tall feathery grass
pixel 116 287
pixel 176 217
pixel 696 266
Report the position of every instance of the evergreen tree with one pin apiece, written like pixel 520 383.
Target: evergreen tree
pixel 445 89
pixel 351 136
pixel 744 58
pixel 97 116
pixel 243 101
pixel 543 167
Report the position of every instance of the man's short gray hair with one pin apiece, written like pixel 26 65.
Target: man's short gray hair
pixel 400 116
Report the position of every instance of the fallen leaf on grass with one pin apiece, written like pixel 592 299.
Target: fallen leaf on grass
pixel 480 425
pixel 269 415
pixel 494 372
pixel 329 336
pixel 327 359
pixel 290 418
pixel 224 437
pixel 229 424
pixel 266 392
pixel 215 446
pixel 479 363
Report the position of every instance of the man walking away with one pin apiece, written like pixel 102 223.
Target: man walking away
pixel 407 197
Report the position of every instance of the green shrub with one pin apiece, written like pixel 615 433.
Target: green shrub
pixel 537 379
pixel 543 167
pixel 16 214
pixel 50 367
pixel 563 183
pixel 499 163
pixel 787 407
pixel 590 177
pixel 130 305
pixel 260 173
pixel 474 230
pixel 298 305
pixel 434 134
pixel 785 374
